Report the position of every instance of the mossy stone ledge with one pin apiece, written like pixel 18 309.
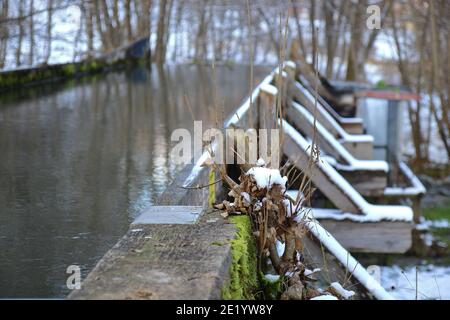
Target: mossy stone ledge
pixel 244 281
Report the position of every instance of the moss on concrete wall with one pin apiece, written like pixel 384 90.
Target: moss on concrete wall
pixel 50 73
pixel 243 281
pixel 25 77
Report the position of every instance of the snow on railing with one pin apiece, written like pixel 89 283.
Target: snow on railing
pixel 416 187
pixel 330 119
pixel 345 258
pixel 327 106
pixel 351 161
pixel 372 212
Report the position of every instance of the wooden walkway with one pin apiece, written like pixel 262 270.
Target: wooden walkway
pixel 172 251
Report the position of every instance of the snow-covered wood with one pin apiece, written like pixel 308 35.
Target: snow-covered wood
pixel 302 118
pixel 361 146
pixel 415 186
pixel 332 184
pixel 345 258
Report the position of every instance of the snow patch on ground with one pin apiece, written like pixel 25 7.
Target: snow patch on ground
pixel 433 282
pixel 437 224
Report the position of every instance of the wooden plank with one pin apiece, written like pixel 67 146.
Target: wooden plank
pixel 388 95
pixel 359 148
pixel 366 182
pixel 297 119
pixel 353 127
pixel 299 96
pixel 363 180
pixel 379 237
pixel 317 256
pixel 316 173
pixel 362 150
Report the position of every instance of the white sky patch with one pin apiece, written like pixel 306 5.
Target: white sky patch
pixel 384 48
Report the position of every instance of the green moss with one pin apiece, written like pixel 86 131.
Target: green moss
pixel 243 271
pixel 69 69
pixel 272 289
pixel 381 84
pixel 212 189
pixel 437 213
pixel 13 79
pixel 94 65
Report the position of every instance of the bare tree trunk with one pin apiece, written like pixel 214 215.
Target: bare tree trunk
pixel 179 15
pixel 115 10
pixel 167 27
pixel 312 17
pixel 4 33
pixel 201 34
pixel 355 41
pixel 343 52
pixel 128 27
pixel 77 40
pixel 413 115
pixel 112 38
pixel 330 38
pixel 159 49
pixel 144 19
pixel 443 123
pixel 88 12
pixel 299 29
pixel 359 50
pixel 386 9
pixel 106 46
pixel 21 34
pixel 333 31
pixel 31 33
pixel 144 22
pixel 48 42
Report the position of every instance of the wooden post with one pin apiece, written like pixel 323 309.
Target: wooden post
pixel 268 121
pixel 281 82
pixel 416 208
pixel 267 106
pixel 291 70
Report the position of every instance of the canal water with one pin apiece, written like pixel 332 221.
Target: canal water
pixel 79 161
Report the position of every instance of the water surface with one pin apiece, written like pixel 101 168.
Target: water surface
pixel 79 162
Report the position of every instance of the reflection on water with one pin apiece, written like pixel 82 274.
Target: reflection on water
pixel 78 164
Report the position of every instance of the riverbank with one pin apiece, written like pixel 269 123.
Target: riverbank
pixel 137 53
